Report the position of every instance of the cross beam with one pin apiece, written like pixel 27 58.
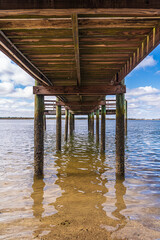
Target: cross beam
pixel 82 90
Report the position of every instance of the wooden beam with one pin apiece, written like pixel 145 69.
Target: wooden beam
pixel 79 103
pixel 76 46
pixel 9 8
pixel 35 23
pixel 7 47
pixel 83 90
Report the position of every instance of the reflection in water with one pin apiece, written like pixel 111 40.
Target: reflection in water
pixel 37 196
pixel 80 209
pixel 80 196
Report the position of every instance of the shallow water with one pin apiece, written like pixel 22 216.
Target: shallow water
pixel 79 196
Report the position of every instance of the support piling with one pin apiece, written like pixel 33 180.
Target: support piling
pixel 89 123
pixel 71 124
pixel 44 122
pixel 92 124
pixel 120 167
pixel 38 135
pixel 58 128
pixel 97 126
pixel 125 117
pixel 103 127
pixel 66 125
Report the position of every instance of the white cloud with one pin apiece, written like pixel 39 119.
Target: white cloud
pixel 149 61
pixel 27 92
pixel 142 91
pixel 6 87
pixel 158 72
pixel 143 102
pixel 11 72
pixel 16 90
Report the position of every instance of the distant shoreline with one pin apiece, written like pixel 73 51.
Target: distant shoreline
pixel 79 118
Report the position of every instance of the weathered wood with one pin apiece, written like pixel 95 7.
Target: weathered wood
pixel 103 127
pixel 78 103
pixel 44 122
pixel 126 118
pixel 73 122
pixel 92 124
pixel 97 126
pixel 83 90
pixel 38 135
pixel 35 23
pixel 66 125
pixel 71 129
pixel 89 123
pixel 95 23
pixel 76 46
pixel 58 128
pixel 59 8
pixel 120 167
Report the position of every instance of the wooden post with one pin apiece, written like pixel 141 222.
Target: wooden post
pixel 92 124
pixel 44 122
pixel 120 135
pixel 103 127
pixel 73 122
pixel 38 135
pixel 89 122
pixel 58 128
pixel 66 125
pixel 125 117
pixel 70 124
pixel 97 126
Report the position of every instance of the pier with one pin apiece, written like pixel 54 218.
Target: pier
pixel 79 52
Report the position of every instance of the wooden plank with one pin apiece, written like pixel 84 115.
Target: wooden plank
pixel 39 33
pixel 111 23
pixel 47 50
pixel 74 90
pixel 32 46
pixel 79 103
pixel 13 53
pixel 108 45
pixel 10 9
pixel 118 32
pixel 76 46
pixel 49 23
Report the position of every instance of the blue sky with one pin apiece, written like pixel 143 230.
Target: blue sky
pixel 143 89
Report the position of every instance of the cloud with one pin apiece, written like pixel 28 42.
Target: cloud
pixel 11 72
pixel 6 87
pixel 143 102
pixel 27 92
pixel 142 91
pixel 149 61
pixel 158 72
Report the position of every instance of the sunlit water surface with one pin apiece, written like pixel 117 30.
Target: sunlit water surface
pixel 79 196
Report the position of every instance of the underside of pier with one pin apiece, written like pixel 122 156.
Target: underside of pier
pixel 79 50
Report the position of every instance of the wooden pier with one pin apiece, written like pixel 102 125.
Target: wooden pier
pixel 79 51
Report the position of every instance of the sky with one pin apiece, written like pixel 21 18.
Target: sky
pixel 143 89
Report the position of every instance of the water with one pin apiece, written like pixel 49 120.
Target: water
pixel 79 196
